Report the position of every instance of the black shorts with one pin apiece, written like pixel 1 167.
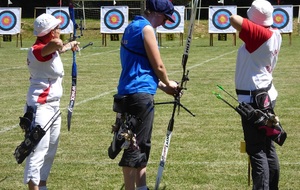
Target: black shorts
pixel 141 105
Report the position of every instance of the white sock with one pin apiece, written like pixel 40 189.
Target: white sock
pixel 142 188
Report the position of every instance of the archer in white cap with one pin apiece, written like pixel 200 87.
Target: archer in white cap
pixel 43 96
pixel 255 64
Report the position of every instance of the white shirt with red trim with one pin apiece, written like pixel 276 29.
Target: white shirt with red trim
pixel 46 75
pixel 256 59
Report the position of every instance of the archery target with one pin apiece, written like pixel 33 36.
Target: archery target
pixel 114 19
pixel 176 17
pixel 219 19
pixel 282 18
pixel 178 25
pixel 62 13
pixel 10 20
pixel 64 17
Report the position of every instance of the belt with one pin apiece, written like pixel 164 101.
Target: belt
pixel 250 92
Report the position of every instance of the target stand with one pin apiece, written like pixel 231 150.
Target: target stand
pixel 283 20
pixel 6 38
pixel 211 38
pixel 113 37
pixel 219 23
pixel 113 21
pixel 290 37
pixel 168 37
pixel 171 28
pixel 10 24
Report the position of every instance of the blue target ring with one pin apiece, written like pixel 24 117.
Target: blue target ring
pixel 280 18
pixel 220 19
pixel 64 17
pixel 177 18
pixel 8 20
pixel 114 19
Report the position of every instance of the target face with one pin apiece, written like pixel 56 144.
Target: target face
pixel 280 18
pixel 64 17
pixel 114 19
pixel 176 17
pixel 8 20
pixel 220 19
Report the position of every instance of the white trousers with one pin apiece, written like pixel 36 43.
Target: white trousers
pixel 39 162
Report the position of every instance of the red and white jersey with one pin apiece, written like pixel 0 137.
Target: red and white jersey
pixel 257 58
pixel 46 75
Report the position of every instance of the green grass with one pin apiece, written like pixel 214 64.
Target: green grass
pixel 205 150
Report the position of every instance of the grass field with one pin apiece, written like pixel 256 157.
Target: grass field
pixel 204 153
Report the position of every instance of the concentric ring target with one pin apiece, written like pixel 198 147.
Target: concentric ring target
pixel 220 19
pixel 8 20
pixel 64 17
pixel 280 18
pixel 176 17
pixel 114 19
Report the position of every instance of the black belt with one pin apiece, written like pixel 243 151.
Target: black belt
pixel 250 92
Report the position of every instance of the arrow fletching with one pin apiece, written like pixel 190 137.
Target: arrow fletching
pixel 217 95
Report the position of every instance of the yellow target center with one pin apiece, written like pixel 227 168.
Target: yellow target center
pixel 114 19
pixel 6 21
pixel 278 19
pixel 222 19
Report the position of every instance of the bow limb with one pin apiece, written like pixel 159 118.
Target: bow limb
pixel 74 69
pixel 185 55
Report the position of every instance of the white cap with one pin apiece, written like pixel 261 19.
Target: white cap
pixel 44 23
pixel 261 13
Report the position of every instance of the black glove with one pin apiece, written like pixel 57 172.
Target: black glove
pixel 254 116
pixel 245 110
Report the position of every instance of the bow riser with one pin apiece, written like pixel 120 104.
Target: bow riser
pixel 74 71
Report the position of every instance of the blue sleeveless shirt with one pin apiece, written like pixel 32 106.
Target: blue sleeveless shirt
pixel 137 75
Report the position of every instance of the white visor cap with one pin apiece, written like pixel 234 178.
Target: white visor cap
pixel 44 23
pixel 261 13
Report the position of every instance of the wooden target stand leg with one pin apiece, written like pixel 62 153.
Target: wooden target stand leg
pixel 20 35
pixel 243 150
pixel 21 44
pixel 290 39
pixel 159 39
pixel 104 43
pixel 181 39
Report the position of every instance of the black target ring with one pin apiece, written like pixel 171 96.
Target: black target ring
pixel 114 19
pixel 8 20
pixel 220 19
pixel 64 17
pixel 280 18
pixel 177 18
